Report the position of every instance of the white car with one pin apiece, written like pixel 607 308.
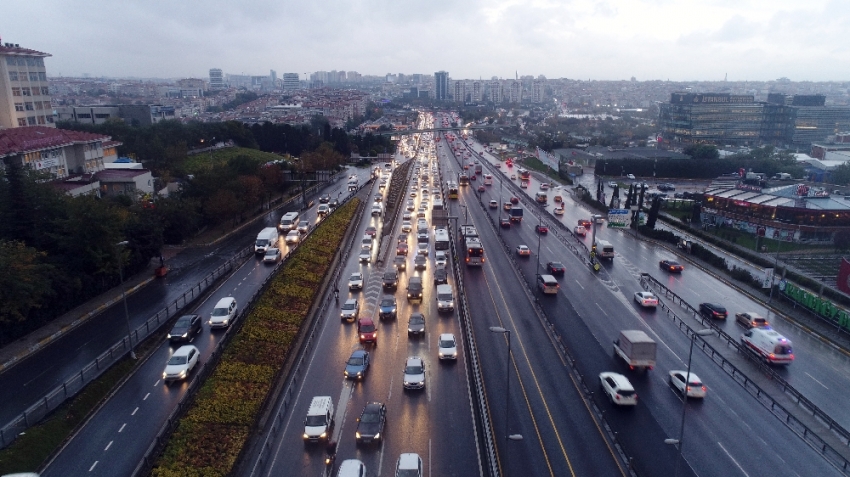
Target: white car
pixel 523 251
pixel 323 210
pixel 618 388
pixel 440 258
pixel 293 237
pixel 695 388
pixel 365 256
pixel 631 177
pixel 181 363
pixel 612 184
pixel 407 216
pixel 414 373
pixel 646 299
pixel 494 204
pixel 580 230
pixel 350 310
pixel 355 281
pixel 406 226
pixel 409 465
pixel 559 210
pixel 422 249
pixel 272 255
pixel 447 346
pixel 410 207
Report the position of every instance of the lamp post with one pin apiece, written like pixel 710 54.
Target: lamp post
pixel 775 264
pixel 118 247
pixel 680 440
pixel 508 435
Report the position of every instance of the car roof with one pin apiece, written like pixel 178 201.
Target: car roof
pixel 408 461
pixel 447 336
pixel 621 381
pixel 366 321
pixel 359 352
pixel 414 360
pixel 351 300
pixel 372 406
pixel 184 350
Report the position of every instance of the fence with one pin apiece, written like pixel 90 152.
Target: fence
pixel 751 387
pixel 94 369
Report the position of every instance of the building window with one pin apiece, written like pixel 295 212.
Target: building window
pixel 39 62
pixel 31 62
pixel 16 91
pixel 33 76
pixel 29 106
pixel 42 76
pixel 45 91
pixel 26 91
pixel 19 106
pixel 101 116
pixel 41 120
pixel 11 61
pixel 39 105
pixel 50 120
pixel 31 120
pixel 13 75
pixel 22 122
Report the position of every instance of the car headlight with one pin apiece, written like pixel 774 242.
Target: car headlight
pixel 378 435
pixel 442 354
pixel 184 335
pixel 323 435
pixel 164 375
pixel 357 434
pixel 306 436
pixel 182 373
pixel 362 337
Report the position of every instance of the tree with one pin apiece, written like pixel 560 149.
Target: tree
pixel 842 240
pixel 702 151
pixel 841 174
pixel 653 212
pixel 25 282
pixel 615 197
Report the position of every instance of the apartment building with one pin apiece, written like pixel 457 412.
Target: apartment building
pixel 24 91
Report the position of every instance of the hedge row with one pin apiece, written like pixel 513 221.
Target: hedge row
pixel 211 435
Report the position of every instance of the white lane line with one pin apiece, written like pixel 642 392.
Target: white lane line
pixel 108 446
pixel 134 411
pixel 579 284
pixel 156 383
pixel 146 397
pixel 733 460
pixel 122 427
pixel 600 309
pixel 429 458
pixel 815 380
pixel 93 466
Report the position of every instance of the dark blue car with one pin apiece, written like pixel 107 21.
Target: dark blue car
pixel 357 364
pixel 388 308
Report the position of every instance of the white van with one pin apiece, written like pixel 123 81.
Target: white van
pixel 289 221
pixel 366 243
pixel 604 249
pixel 224 313
pixel 377 209
pixel 266 239
pixel 351 468
pixel 769 345
pixel 320 419
pixel 445 298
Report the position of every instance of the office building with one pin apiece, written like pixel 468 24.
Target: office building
pixel 441 90
pixel 216 79
pixel 718 118
pixel 291 81
pixel 24 92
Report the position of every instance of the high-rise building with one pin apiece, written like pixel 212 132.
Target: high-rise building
pixel 537 91
pixel 514 91
pixel 216 79
pixel 477 92
pixel 24 92
pixel 441 90
pixel 291 81
pixel 459 91
pixel 273 76
pixel 496 91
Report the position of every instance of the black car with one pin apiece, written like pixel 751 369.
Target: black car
pixel 324 198
pixel 556 268
pixel 387 308
pixel 713 310
pixel 370 424
pixel 667 186
pixel 185 329
pixel 390 279
pixel 334 204
pixel 441 276
pixel 416 325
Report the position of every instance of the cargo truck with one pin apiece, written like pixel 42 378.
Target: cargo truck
pixel 636 348
pixel 516 214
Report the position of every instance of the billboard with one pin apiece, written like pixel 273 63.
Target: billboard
pixel 711 98
pixel 620 218
pixel 547 158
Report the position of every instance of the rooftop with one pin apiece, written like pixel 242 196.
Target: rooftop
pixel 13 49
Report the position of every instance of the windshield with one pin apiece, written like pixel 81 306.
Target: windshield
pixel 355 278
pixel 367 328
pixel 271 252
pixel 177 360
pixel 355 361
pixel 416 320
pixel 417 369
pixel 315 421
pixel 370 417
pixel 447 343
pixel 387 303
pixel 219 312
pixel 262 242
pixel 444 296
pixel 183 322
pixel 348 306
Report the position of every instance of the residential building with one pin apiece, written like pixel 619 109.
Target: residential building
pixel 291 81
pixel 496 91
pixel 477 92
pixel 441 91
pixel 24 90
pixel 59 152
pixel 459 91
pixel 537 91
pixel 514 91
pixel 216 79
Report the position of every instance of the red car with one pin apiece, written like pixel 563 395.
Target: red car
pixel 481 188
pixel 401 249
pixel 371 231
pixel 671 266
pixel 367 330
pixel 505 223
pixel 472 177
pixel 465 166
pixel 585 223
pixel 541 229
pixel 514 200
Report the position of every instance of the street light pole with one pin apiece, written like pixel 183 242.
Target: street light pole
pixel 775 264
pixel 124 297
pixel 508 435
pixel 680 440
pixel 538 248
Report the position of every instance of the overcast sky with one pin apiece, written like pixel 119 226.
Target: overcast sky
pixel 579 39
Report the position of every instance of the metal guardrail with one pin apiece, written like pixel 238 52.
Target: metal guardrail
pixel 647 281
pixel 94 369
pixel 161 440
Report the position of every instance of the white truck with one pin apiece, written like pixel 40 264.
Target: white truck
pixel 266 239
pixel 769 345
pixel 636 348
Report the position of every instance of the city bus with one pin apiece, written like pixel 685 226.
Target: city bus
pixel 488 179
pixel 524 174
pixel 464 179
pixel 453 189
pixel 474 252
pixel 441 239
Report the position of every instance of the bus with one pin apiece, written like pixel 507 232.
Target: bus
pixel 453 189
pixel 441 239
pixel 464 179
pixel 524 174
pixel 474 252
pixel 488 179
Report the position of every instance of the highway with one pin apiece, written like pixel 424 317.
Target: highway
pixel 113 441
pixel 587 314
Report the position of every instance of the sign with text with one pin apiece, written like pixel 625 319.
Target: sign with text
pixel 767 280
pixel 619 218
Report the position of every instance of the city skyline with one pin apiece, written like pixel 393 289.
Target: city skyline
pixel 609 40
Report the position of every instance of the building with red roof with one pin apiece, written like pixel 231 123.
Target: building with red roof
pixel 60 152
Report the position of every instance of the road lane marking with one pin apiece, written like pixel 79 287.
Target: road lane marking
pixel 108 446
pixel 93 466
pixel 134 412
pixel 156 383
pixel 579 284
pixel 146 397
pixel 815 380
pixel 600 309
pixel 122 427
pixel 733 460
